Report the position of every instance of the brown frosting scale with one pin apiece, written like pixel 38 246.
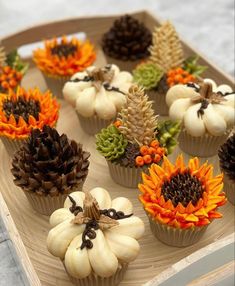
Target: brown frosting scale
pixel 50 163
pixel 128 39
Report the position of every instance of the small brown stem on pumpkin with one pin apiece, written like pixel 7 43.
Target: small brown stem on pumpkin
pixel 91 207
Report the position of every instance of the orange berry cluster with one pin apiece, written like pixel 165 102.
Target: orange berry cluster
pixel 179 76
pixel 150 154
pixel 9 78
pixel 117 123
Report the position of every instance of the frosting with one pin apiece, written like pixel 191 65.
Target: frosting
pixel 93 233
pixel 98 92
pixel 203 108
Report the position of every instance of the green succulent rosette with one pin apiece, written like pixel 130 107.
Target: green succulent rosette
pixel 167 132
pixel 111 143
pixel 147 75
pixel 14 61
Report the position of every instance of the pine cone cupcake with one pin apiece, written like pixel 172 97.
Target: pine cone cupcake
pixel 126 42
pixel 132 143
pixel 227 164
pixel 48 167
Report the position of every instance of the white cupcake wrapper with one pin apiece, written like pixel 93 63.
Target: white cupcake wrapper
pixel 56 84
pixel 12 145
pixel 204 146
pixel 46 205
pixel 175 236
pixel 126 176
pixel 92 125
pixel 159 102
pixel 95 280
pixel 229 189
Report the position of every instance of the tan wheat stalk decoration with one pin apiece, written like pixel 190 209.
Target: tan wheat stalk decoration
pixel 166 50
pixel 2 56
pixel 138 122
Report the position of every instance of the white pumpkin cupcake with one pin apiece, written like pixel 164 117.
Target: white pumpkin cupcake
pixel 97 95
pixel 207 113
pixel 95 237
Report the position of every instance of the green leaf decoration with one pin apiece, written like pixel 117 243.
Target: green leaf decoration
pixel 111 143
pixel 167 132
pixel 14 61
pixel 191 65
pixel 147 75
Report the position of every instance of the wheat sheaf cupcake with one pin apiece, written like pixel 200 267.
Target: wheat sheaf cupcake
pixel 136 139
pixel 22 111
pixel 227 165
pixel 60 59
pixel 207 112
pixel 95 237
pixel 97 95
pixel 48 167
pixel 166 66
pixel 181 200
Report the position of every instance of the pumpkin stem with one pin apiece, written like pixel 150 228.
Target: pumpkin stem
pixel 101 75
pixel 206 89
pixel 90 207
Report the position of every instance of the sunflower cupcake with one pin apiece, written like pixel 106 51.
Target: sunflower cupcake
pixel 166 67
pixel 136 139
pixel 95 237
pixel 12 70
pixel 227 164
pixel 22 111
pixel 181 200
pixel 48 167
pixel 60 59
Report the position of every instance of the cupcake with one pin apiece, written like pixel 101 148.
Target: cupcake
pixel 60 59
pixel 207 112
pixel 227 165
pixel 21 111
pixel 97 95
pixel 126 43
pixel 181 200
pixel 136 139
pixel 95 237
pixel 12 70
pixel 49 167
pixel 165 67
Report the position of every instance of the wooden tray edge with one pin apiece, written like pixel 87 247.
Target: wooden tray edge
pixel 192 258
pixel 18 244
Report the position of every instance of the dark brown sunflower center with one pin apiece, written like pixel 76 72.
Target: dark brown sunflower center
pixel 64 50
pixel 22 107
pixel 182 188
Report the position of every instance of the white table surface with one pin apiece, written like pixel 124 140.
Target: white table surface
pixel 208 25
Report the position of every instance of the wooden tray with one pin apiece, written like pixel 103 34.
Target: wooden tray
pixel 33 228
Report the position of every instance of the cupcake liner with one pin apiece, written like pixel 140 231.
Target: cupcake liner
pixel 203 146
pixel 92 125
pixel 229 189
pixel 175 236
pixel 123 65
pixel 46 205
pixel 56 84
pixel 95 280
pixel 12 145
pixel 126 176
pixel 159 102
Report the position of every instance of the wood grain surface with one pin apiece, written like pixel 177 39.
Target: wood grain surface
pixel 33 228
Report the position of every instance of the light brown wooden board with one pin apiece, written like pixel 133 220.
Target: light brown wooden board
pixel 33 228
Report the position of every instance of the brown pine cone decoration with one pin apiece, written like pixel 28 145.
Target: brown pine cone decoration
pixel 128 39
pixel 50 163
pixel 227 157
pixel 128 158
